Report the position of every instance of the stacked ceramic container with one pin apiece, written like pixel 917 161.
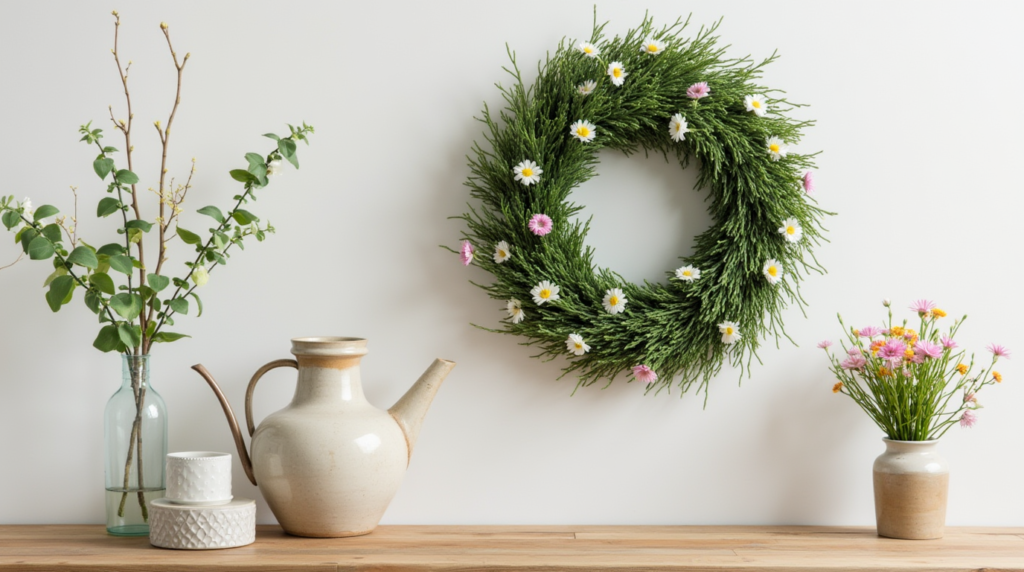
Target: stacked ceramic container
pixel 198 511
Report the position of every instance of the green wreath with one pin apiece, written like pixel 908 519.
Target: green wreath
pixel 657 91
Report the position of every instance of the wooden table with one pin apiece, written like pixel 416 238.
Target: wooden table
pixel 548 548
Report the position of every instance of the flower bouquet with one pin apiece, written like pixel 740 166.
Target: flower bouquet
pixel 915 385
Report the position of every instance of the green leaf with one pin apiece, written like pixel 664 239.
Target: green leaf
pixel 45 211
pixel 126 177
pixel 59 271
pixel 109 149
pixel 179 305
pixel 122 264
pixel 103 283
pixel 84 256
pixel 188 237
pixel 287 149
pixel 103 166
pixel 255 161
pixel 26 236
pixel 272 136
pixel 107 339
pixel 93 301
pixel 199 305
pixel 242 176
pixel 130 335
pixel 244 217
pixel 156 304
pixel 220 240
pixel 107 206
pixel 60 289
pixel 128 306
pixel 134 235
pixel 11 219
pixel 146 292
pixel 52 231
pixel 40 248
pixel 167 337
pixel 139 224
pixel 213 212
pixel 157 281
pixel 112 249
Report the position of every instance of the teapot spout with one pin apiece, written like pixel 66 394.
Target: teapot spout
pixel 412 407
pixel 243 453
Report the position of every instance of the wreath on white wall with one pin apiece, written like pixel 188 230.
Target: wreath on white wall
pixel 653 90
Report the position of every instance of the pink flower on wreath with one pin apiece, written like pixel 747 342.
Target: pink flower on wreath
pixel 870 331
pixel 998 350
pixel 928 349
pixel 644 374
pixel 466 254
pixel 824 344
pixel 540 224
pixel 968 419
pixel 948 343
pixel 892 350
pixel 855 361
pixel 698 90
pixel 809 182
pixel 923 306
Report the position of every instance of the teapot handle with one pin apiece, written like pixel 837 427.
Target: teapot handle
pixel 252 387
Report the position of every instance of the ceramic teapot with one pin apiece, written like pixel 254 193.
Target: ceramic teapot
pixel 329 463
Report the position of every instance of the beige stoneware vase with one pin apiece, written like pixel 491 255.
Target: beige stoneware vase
pixel 911 486
pixel 329 463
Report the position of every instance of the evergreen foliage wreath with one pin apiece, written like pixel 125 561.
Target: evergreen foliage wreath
pixel 656 91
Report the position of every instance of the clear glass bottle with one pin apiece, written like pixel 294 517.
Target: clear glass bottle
pixel 135 432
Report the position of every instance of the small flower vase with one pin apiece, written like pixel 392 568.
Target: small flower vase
pixel 135 432
pixel 911 485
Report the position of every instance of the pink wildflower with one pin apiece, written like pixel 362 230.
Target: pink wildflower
pixel 698 90
pixel 892 350
pixel 855 351
pixel 923 306
pixel 540 224
pixel 809 182
pixel 928 349
pixel 466 253
pixel 824 344
pixel 968 419
pixel 644 374
pixel 970 398
pixel 948 343
pixel 870 331
pixel 998 351
pixel 854 362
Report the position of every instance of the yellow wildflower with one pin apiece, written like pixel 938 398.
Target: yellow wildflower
pixel 962 369
pixel 938 313
pixel 884 372
pixel 908 353
pixel 896 330
pixel 837 387
pixel 998 376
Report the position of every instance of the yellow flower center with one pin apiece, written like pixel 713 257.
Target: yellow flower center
pixel 652 47
pixel 588 50
pixel 687 273
pixel 774 147
pixel 502 254
pixel 545 293
pixel 583 131
pixel 773 271
pixel 728 331
pixel 617 72
pixel 790 229
pixel 908 353
pixel 579 346
pixel 613 301
pixel 756 103
pixel 527 172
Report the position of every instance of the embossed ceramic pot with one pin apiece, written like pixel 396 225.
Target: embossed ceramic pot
pixel 911 485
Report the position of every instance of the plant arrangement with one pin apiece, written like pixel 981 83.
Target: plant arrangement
pixel 914 384
pixel 136 299
pixel 658 91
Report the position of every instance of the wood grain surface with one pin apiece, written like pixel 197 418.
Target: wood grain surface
pixel 546 548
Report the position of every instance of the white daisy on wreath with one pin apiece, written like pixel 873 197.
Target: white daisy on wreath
pixel 730 332
pixel 588 49
pixel 575 344
pixel 502 252
pixel 791 230
pixel 773 271
pixel 756 103
pixel 614 301
pixel 545 291
pixel 678 128
pixel 527 172
pixel 652 47
pixel 583 130
pixel 688 273
pixel 617 73
pixel 587 87
pixel 515 311
pixel 776 148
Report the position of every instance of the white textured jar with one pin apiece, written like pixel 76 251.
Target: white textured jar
pixel 911 486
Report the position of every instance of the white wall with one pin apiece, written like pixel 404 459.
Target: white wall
pixel 919 116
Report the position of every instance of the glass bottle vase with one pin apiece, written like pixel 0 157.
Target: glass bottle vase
pixel 135 433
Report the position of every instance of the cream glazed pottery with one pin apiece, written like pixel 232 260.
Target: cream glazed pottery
pixel 329 463
pixel 911 484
